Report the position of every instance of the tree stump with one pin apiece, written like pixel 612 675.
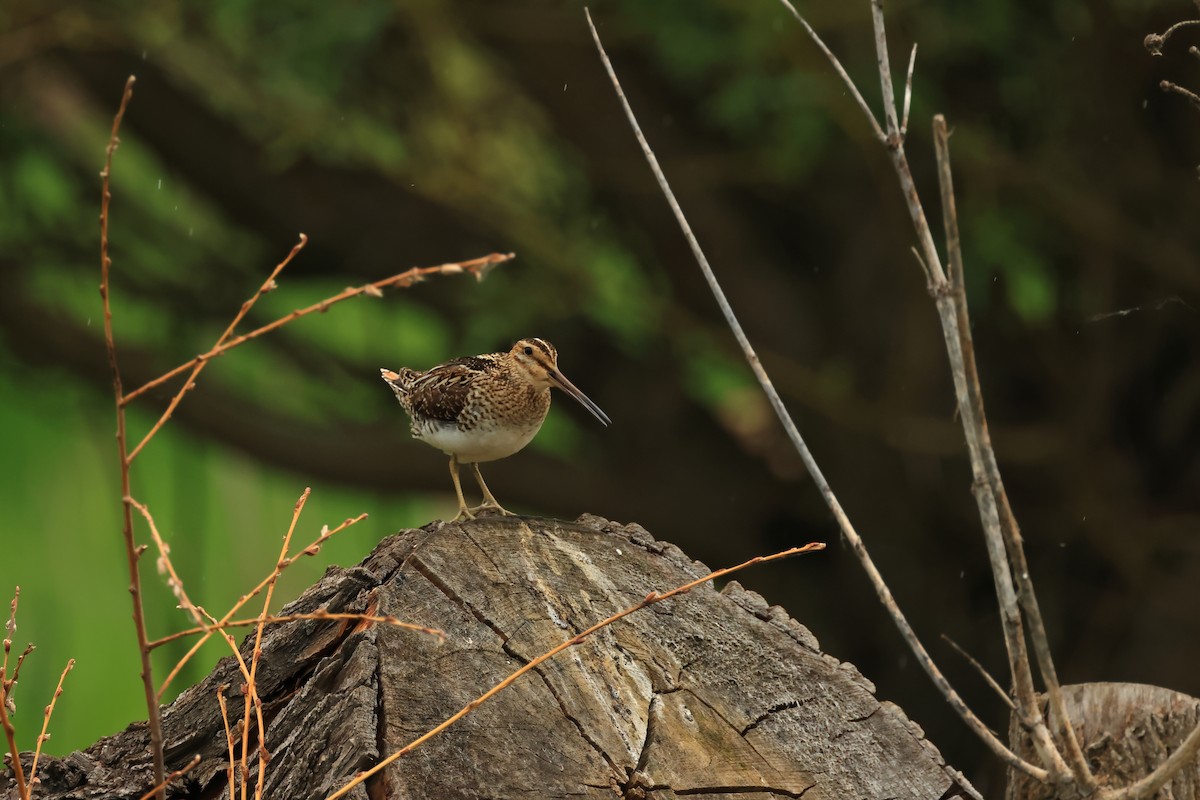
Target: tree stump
pixel 1126 730
pixel 711 693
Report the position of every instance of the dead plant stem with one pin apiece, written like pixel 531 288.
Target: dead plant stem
pixel 258 634
pixel 228 736
pixel 479 267
pixel 191 765
pixel 1014 550
pixel 154 717
pixel 46 714
pixel 198 366
pixel 317 615
pixel 311 549
pixel 856 544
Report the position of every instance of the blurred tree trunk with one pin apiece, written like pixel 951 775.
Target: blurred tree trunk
pixel 712 692
pixel 1126 730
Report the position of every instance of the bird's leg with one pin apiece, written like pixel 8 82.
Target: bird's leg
pixel 489 500
pixel 462 503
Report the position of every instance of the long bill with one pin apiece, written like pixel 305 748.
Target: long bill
pixel 561 381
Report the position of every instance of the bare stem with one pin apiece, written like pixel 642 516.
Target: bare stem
pixel 650 599
pixel 174 582
pixel 198 366
pixel 43 736
pixel 258 634
pixel 191 765
pixel 983 673
pixel 1155 41
pixel 838 68
pixel 479 267
pixel 228 736
pixel 856 544
pixel 11 735
pixel 319 614
pixel 311 550
pixel 985 466
pixel 1187 94
pixel 154 718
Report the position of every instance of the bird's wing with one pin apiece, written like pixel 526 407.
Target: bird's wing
pixel 442 392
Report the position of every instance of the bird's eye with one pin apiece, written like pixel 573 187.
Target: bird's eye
pixel 528 351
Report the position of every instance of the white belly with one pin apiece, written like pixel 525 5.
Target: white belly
pixel 477 445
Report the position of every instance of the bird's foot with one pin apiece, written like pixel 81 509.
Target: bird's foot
pixel 490 507
pixel 464 513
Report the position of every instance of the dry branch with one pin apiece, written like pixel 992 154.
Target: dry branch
pixel 132 553
pixel 199 365
pixel 373 619
pixel 191 765
pixel 478 267
pixel 312 549
pixel 847 529
pixel 6 684
pixel 46 714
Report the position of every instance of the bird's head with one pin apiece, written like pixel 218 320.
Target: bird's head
pixel 537 361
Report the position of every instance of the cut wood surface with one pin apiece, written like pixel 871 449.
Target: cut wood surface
pixel 1126 730
pixel 712 693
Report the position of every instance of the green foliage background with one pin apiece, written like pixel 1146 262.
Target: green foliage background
pixel 402 134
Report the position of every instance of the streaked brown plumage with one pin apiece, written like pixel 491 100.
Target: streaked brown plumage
pixel 483 408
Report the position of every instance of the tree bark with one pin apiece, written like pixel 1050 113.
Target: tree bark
pixel 711 693
pixel 1126 730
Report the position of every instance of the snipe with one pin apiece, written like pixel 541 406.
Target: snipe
pixel 484 408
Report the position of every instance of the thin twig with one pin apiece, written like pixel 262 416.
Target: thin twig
pixel 650 599
pixel 191 765
pixel 987 474
pixel 228 735
pixel 10 627
pixel 895 144
pixel 311 550
pixel 883 61
pixel 257 652
pixel 6 684
pixel 267 286
pixel 153 713
pixel 1154 42
pixel 164 565
pixel 838 68
pixel 374 619
pixel 986 499
pixel 251 692
pixel 16 673
pixel 983 673
pixel 479 267
pixel 1187 94
pixel 859 549
pixel 43 736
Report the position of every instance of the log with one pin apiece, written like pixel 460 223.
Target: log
pixel 1126 730
pixel 712 693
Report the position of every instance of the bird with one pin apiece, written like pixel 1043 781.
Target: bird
pixel 484 408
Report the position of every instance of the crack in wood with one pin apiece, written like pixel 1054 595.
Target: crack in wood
pixel 453 597
pixel 632 788
pixel 578 725
pixel 775 709
pixel 700 791
pixel 377 785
